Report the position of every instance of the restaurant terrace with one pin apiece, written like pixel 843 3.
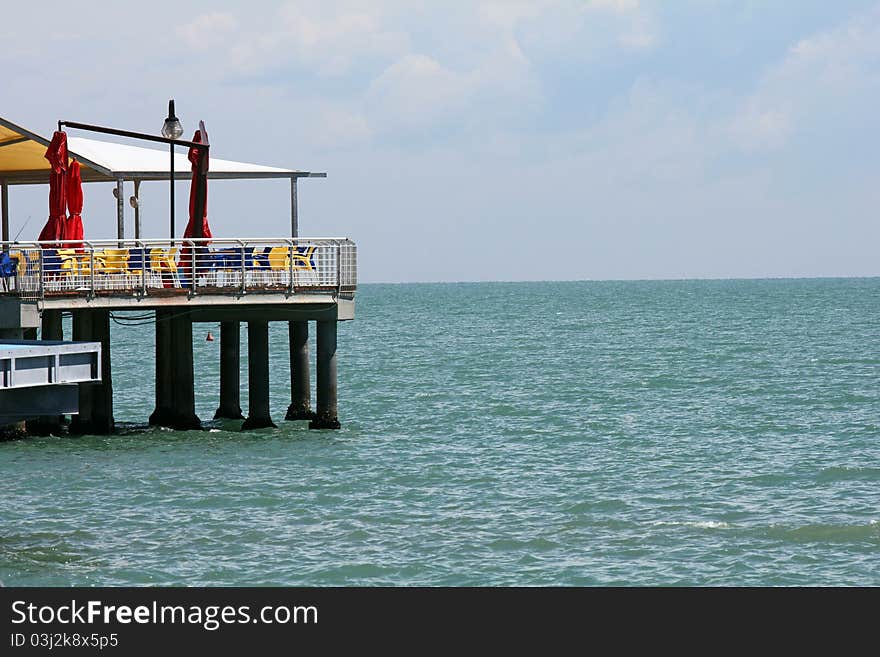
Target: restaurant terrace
pixel 191 276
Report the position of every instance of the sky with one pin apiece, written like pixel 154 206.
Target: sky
pixel 491 140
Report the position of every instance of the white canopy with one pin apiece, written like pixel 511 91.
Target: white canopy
pixel 22 161
pixel 138 163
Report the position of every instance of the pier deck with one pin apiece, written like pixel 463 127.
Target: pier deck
pixel 179 282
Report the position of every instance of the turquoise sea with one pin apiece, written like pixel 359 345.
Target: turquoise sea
pixel 578 433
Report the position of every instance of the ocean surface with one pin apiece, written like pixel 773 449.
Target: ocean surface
pixel 578 433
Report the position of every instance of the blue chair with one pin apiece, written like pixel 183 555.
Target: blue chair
pixel 8 266
pixel 304 257
pixel 260 258
pixel 136 266
pixel 51 261
pixel 222 261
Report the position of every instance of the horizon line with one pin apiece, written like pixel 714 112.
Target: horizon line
pixel 629 280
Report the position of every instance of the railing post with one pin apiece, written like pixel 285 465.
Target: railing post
pixel 41 273
pixel 290 264
pixel 241 246
pixel 195 254
pixel 143 268
pixel 120 212
pixel 338 269
pixel 91 271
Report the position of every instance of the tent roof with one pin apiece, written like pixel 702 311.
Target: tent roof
pixel 22 161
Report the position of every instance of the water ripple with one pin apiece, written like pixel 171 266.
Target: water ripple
pixel 675 433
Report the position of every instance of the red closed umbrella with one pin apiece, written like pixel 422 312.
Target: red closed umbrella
pixel 185 262
pixel 73 227
pixel 194 155
pixel 57 156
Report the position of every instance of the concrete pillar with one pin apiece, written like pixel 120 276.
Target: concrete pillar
pixel 51 325
pixel 48 424
pixel 301 401
pixel 82 332
pixel 326 413
pixel 102 393
pixel 230 372
pixel 162 415
pixel 183 398
pixel 258 376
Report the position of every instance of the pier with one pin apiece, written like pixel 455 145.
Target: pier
pixel 239 282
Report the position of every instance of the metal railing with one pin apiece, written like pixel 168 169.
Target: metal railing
pixel 236 266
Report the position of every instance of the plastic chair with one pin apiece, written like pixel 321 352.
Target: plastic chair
pixel 279 263
pixel 8 269
pixel 255 262
pixel 163 261
pixel 135 265
pixel 115 268
pixel 223 265
pixel 304 257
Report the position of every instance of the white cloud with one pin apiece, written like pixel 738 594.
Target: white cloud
pixel 207 31
pixel 416 91
pixel 323 125
pixel 328 38
pixel 757 127
pixel 824 75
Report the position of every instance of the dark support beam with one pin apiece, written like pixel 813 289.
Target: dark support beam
pixel 102 393
pixel 301 402
pixel 294 209
pixel 46 425
pixel 326 412
pixel 82 331
pixel 137 209
pixel 120 211
pixel 258 377
pixel 4 208
pixel 183 398
pixel 14 141
pixel 162 415
pixel 51 325
pixel 230 372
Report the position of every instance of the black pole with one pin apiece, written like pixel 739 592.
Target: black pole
pixel 171 150
pixel 203 148
pixel 133 135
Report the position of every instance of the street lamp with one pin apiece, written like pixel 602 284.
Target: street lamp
pixel 172 130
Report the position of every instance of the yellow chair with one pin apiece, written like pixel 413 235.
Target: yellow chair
pixel 303 257
pixel 304 269
pixel 279 263
pixel 85 261
pixel 115 260
pixel 69 268
pixel 21 258
pixel 164 261
pixel 114 268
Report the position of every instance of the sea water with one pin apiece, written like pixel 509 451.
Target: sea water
pixel 577 433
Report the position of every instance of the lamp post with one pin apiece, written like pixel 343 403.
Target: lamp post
pixel 172 130
pixel 172 127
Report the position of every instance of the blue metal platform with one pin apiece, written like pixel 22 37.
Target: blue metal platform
pixel 40 378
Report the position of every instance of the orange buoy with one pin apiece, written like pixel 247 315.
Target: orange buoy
pixel 209 337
